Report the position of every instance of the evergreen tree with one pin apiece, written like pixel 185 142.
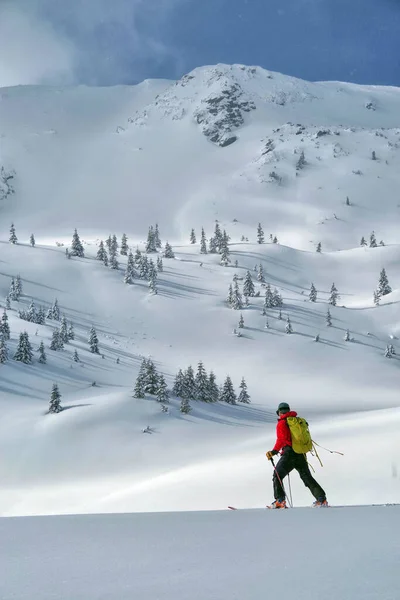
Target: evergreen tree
pixel 55 311
pixel 212 387
pixel 168 252
pixel 151 241
pixel 189 384
pixel 138 257
pixel 76 246
pixel 243 394
pixel 42 354
pixel 213 248
pixel 71 332
pixel 388 353
pixel 248 286
pixel 8 302
pixel 372 240
pixel 56 341
pixel 178 387
pixel 381 243
pixel 280 315
pixel 260 273
pixel 24 351
pixel 328 318
pixel 64 330
pixel 108 242
pixel 3 350
pixel 316 339
pixel 377 298
pixel 185 406
pixel 275 240
pixel 334 297
pixel 319 247
pixel 150 381
pixel 67 254
pixel 105 259
pixel 13 236
pixel 383 284
pixel 363 241
pixel 266 324
pixel 301 163
pixel 32 313
pixel 268 300
pixel 130 269
pixel 162 390
pixel 288 328
pixel 101 252
pixel 347 336
pixel 114 264
pixel 4 326
pixel 225 255
pixel 313 293
pixel 203 242
pixel 32 240
pixel 114 246
pixel 12 293
pixel 144 267
pixel 201 384
pixel 347 201
pixel 93 341
pixel 140 381
pixel 260 234
pixel 160 266
pixel 192 237
pixel 229 298
pixel 76 356
pixel 153 280
pixel 217 237
pixel 157 239
pixel 237 300
pixel 228 393
pixel 124 245
pixel 277 301
pixel 18 287
pixel 392 350
pixel 55 400
pixel 241 322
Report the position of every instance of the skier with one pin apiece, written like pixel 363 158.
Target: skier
pixel 290 460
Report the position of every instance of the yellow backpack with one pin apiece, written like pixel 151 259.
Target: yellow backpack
pixel 301 437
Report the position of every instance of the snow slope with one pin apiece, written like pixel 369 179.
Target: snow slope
pixel 116 160
pixel 230 555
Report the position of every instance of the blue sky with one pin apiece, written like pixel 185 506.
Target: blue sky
pixel 106 42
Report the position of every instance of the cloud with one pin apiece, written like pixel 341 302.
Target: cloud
pixel 98 42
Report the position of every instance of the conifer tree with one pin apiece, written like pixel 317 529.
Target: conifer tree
pixel 313 293
pixel 228 393
pixel 76 356
pixel 64 330
pixel 24 351
pixel 388 353
pixel 160 266
pixel 13 236
pixel 217 236
pixel 201 384
pixel 241 322
pixel 178 387
pixel 213 248
pixel 319 247
pixel 316 339
pixel 18 287
pixel 260 234
pixel 93 341
pixel 277 301
pixel 212 387
pixel 203 242
pixel 162 390
pixel 334 297
pixel 108 242
pixel 260 273
pixel 151 241
pixel 71 332
pixel 105 259
pixel 55 400
pixel 347 201
pixel 130 269
pixel 280 315
pixel 124 245
pixel 268 300
pixel 237 300
pixel 383 284
pixel 3 350
pixel 363 241
pixel 56 341
pixel 225 255
pixel 153 280
pixel 372 240
pixel 185 407
pixel 114 245
pixel 288 328
pixel 76 246
pixel 12 293
pixel 140 381
pixel 55 311
pixel 189 384
pixel 101 252
pixel 275 240
pixel 192 237
pixel 4 326
pixel 32 240
pixel 157 239
pixel 243 394
pixel 347 336
pixel 144 267
pixel 42 354
pixel 248 286
pixel 229 298
pixel 328 318
pixel 114 264
pixel 377 298
pixel 168 252
pixel 150 381
pixel 8 302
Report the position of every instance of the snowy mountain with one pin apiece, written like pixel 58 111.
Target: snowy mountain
pixel 314 163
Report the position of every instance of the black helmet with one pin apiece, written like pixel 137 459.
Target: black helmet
pixel 283 408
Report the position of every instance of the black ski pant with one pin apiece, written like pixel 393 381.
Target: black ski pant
pixel 291 460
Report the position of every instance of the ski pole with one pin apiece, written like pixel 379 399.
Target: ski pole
pixel 280 481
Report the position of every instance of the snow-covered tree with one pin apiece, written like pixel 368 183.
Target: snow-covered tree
pixel 124 245
pixel 377 298
pixel 347 201
pixel 392 349
pixel 32 240
pixel 363 241
pixel 178 387
pixel 137 257
pixel 8 302
pixel 162 390
pixel 101 252
pixel 64 330
pixel 93 341
pixel 18 287
pixel 189 384
pixel 201 384
pixel 13 236
pixel 381 243
pixel 227 392
pixel 151 241
pixel 76 246
pixel 160 266
pixel 213 248
pixel 275 240
pixel 260 234
pixel 54 311
pixel 157 239
pixel 248 285
pixel 3 350
pixel 139 391
pixel 288 328
pixel 4 326
pixel 56 341
pixel 241 322
pixel 168 252
pixel 347 337
pixel 269 299
pixel 319 247
pixel 12 293
pixel 212 387
pixel 229 298
pixel 42 354
pixel 280 315
pixel 313 293
pixel 225 255
pixel 277 301
pixel 217 236
pixel 71 332
pixel 55 400
pixel 76 356
pixel 237 300
pixel 203 242
pixel 108 242
pixel 114 246
pixel 328 318
pixel 383 284
pixel 301 163
pixel 193 237
pixel 334 296
pixel 372 240
pixel 260 273
pixel 244 396
pixel 150 381
pixel 24 351
pixel 316 339
pixel 388 353
pixel 153 278
pixel 373 155
pixel 185 407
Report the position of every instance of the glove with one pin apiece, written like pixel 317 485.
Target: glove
pixel 270 454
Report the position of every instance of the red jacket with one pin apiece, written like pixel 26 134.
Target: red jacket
pixel 283 437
